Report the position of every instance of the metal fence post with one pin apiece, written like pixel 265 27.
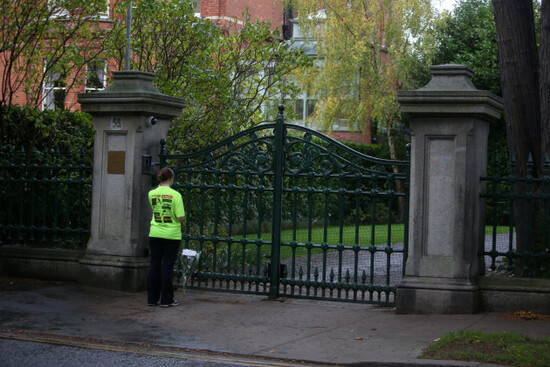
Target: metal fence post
pixel 278 165
pixel 162 154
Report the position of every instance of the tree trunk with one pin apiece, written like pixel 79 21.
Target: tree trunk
pixel 544 72
pixel 519 73
pixel 399 184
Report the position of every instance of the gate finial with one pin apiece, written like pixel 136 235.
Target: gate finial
pixel 281 115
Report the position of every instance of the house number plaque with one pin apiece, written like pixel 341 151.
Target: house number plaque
pixel 115 162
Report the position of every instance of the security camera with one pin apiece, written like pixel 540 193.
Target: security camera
pixel 151 121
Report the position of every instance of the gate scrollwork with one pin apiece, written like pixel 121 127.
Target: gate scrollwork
pixel 320 225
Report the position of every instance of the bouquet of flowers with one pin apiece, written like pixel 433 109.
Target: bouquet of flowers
pixel 188 260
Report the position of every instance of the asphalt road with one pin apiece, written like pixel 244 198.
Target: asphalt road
pixel 29 349
pixel 16 353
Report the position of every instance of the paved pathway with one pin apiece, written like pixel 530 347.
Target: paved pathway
pixel 346 263
pixel 218 329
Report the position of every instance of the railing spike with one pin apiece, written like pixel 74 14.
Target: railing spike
pixel 281 115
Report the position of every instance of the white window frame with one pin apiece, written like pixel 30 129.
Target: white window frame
pixel 198 12
pixel 102 78
pixel 63 13
pixel 49 90
pixel 301 103
pixel 60 12
pixel 103 15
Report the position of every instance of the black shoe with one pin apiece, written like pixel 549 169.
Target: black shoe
pixel 173 304
pixel 153 304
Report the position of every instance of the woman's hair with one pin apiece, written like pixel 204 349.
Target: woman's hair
pixel 165 174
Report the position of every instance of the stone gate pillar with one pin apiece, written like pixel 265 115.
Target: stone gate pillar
pixel 129 119
pixel 449 119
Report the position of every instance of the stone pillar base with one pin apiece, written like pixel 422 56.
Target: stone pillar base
pixel 125 273
pixel 425 295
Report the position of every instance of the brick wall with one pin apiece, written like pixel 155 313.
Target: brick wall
pixel 223 11
pixel 226 10
pixel 354 137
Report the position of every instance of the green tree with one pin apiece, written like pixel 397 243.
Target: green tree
pixel 251 66
pixel 38 38
pixel 369 50
pixel 31 129
pixel 467 36
pixel 225 76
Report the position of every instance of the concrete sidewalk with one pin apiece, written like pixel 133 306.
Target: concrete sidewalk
pixel 326 332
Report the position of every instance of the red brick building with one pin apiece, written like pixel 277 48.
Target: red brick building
pixel 228 11
pixel 60 87
pixel 59 90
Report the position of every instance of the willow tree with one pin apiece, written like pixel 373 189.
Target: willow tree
pixel 367 50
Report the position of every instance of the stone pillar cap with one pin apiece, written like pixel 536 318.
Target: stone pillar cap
pixel 132 92
pixel 451 92
pixel 450 77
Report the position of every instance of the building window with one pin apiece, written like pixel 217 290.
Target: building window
pixel 299 109
pixel 56 10
pixel 104 14
pixel 197 8
pixel 95 75
pixel 310 107
pixel 304 107
pixel 54 91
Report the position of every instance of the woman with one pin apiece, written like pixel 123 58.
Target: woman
pixel 164 240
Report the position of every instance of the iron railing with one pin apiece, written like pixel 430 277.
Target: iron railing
pixel 45 197
pixel 282 210
pixel 518 221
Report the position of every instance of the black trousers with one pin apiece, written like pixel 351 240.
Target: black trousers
pixel 163 255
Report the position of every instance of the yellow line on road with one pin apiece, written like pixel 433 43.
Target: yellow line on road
pixel 151 350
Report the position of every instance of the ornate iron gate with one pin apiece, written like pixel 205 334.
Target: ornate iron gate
pixel 285 211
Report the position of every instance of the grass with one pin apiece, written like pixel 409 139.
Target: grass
pixel 348 236
pixel 367 235
pixel 498 230
pixel 497 348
